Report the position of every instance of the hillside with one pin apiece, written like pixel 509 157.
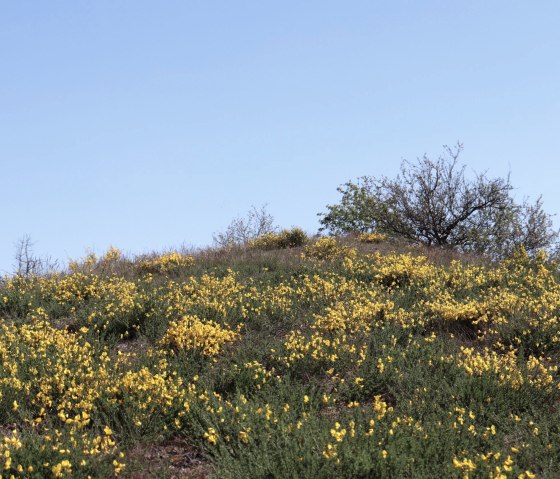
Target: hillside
pixel 345 358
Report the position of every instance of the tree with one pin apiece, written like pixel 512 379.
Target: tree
pixel 434 203
pixel 240 231
pixel 27 263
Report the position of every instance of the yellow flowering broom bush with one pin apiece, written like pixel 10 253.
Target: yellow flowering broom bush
pixel 190 333
pixel 325 249
pixel 166 263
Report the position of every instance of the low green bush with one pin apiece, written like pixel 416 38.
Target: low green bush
pixel 285 239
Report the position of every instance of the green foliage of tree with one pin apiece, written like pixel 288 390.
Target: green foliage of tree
pixel 433 202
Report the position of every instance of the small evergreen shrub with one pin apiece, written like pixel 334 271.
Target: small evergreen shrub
pixel 285 239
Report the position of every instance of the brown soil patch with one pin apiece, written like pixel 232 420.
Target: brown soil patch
pixel 172 459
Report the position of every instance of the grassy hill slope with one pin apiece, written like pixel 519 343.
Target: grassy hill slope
pixel 341 359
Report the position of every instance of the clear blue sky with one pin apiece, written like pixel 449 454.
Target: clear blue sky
pixel 149 124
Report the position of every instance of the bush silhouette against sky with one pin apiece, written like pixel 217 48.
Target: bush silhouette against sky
pixel 435 203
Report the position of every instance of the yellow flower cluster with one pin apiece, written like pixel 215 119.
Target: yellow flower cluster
pixel 107 263
pixel 61 377
pixel 506 368
pixel 166 263
pixel 372 237
pixel 359 313
pixel 319 348
pixel 210 296
pixel 326 249
pixel 190 333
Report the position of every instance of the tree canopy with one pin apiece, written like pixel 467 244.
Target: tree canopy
pixel 434 202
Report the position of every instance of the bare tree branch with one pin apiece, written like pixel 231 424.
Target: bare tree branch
pixel 433 202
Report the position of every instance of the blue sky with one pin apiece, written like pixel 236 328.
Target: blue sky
pixel 145 125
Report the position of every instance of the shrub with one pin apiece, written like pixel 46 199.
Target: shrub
pixel 293 238
pixel 372 237
pixel 328 249
pixel 285 239
pixel 111 262
pixel 258 222
pixel 167 263
pixel 190 333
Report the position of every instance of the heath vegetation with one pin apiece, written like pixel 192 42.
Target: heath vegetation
pixel 346 357
pixel 411 346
